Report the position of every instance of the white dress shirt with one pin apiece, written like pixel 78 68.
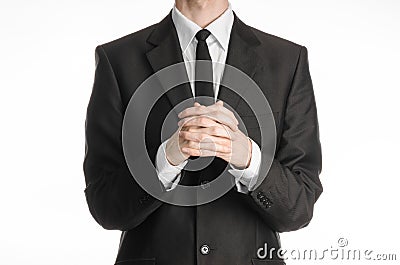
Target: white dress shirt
pixel 217 42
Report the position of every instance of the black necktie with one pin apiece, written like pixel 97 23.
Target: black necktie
pixel 204 70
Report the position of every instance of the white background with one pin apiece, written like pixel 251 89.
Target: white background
pixel 46 74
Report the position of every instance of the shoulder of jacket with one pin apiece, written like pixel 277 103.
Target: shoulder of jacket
pixel 133 40
pixel 272 41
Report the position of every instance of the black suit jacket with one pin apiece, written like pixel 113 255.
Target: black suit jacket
pixel 236 225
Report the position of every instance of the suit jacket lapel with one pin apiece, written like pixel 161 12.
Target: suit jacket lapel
pixel 241 55
pixel 166 51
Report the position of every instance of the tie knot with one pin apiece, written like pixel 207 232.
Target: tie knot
pixel 202 35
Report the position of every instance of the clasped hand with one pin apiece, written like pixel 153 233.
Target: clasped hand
pixel 209 131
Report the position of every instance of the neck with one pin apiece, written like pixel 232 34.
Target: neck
pixel 202 12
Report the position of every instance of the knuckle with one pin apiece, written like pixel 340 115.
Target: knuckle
pixel 204 136
pixel 222 149
pixel 193 145
pixel 225 143
pixel 185 122
pixel 203 120
pixel 199 137
pixel 215 130
pixel 227 146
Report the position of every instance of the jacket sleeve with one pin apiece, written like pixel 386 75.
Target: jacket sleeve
pixel 285 198
pixel 114 198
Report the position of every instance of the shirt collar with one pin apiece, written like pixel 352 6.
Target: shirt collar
pixel 219 28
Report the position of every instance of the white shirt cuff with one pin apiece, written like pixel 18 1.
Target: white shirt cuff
pixel 246 179
pixel 168 174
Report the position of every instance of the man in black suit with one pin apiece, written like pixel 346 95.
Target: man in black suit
pixel 232 228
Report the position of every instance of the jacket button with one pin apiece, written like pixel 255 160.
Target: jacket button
pixel 260 195
pixel 205 249
pixel 267 203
